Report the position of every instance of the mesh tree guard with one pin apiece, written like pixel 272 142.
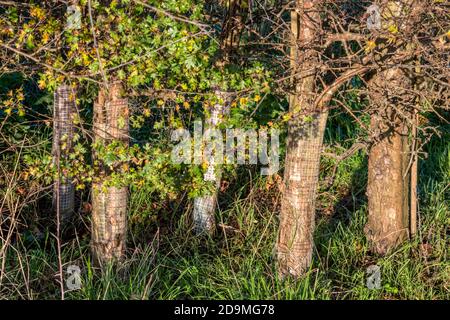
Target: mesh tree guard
pixel 63 130
pixel 304 145
pixel 205 206
pixel 297 217
pixel 109 204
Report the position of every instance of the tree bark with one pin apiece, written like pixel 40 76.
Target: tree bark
pixel 109 204
pixel 304 145
pixel 388 177
pixel 389 171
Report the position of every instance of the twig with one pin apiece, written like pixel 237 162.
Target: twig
pixel 26 55
pixel 13 3
pixel 339 158
pixel 414 179
pixel 96 44
pixel 172 16
pixel 58 227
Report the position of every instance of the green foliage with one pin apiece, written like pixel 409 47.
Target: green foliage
pixel 144 48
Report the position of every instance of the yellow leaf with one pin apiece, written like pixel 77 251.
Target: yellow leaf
pixel 287 117
pixel 243 101
pixel 393 29
pixel 37 12
pixel 42 84
pixel 45 38
pixel 370 46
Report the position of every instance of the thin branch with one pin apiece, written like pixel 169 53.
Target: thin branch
pixel 30 57
pixel 105 80
pixel 13 3
pixel 172 16
pixel 325 97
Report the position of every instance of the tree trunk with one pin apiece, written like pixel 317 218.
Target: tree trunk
pixel 109 204
pixel 63 130
pixel 388 179
pixel 304 145
pixel 205 207
pixel 389 172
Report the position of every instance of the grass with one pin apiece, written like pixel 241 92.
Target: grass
pixel 165 261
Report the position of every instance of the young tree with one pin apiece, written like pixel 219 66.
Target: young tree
pixel 205 206
pixel 388 170
pixel 64 111
pixel 109 203
pixel 325 55
pixel 304 145
pixel 410 42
